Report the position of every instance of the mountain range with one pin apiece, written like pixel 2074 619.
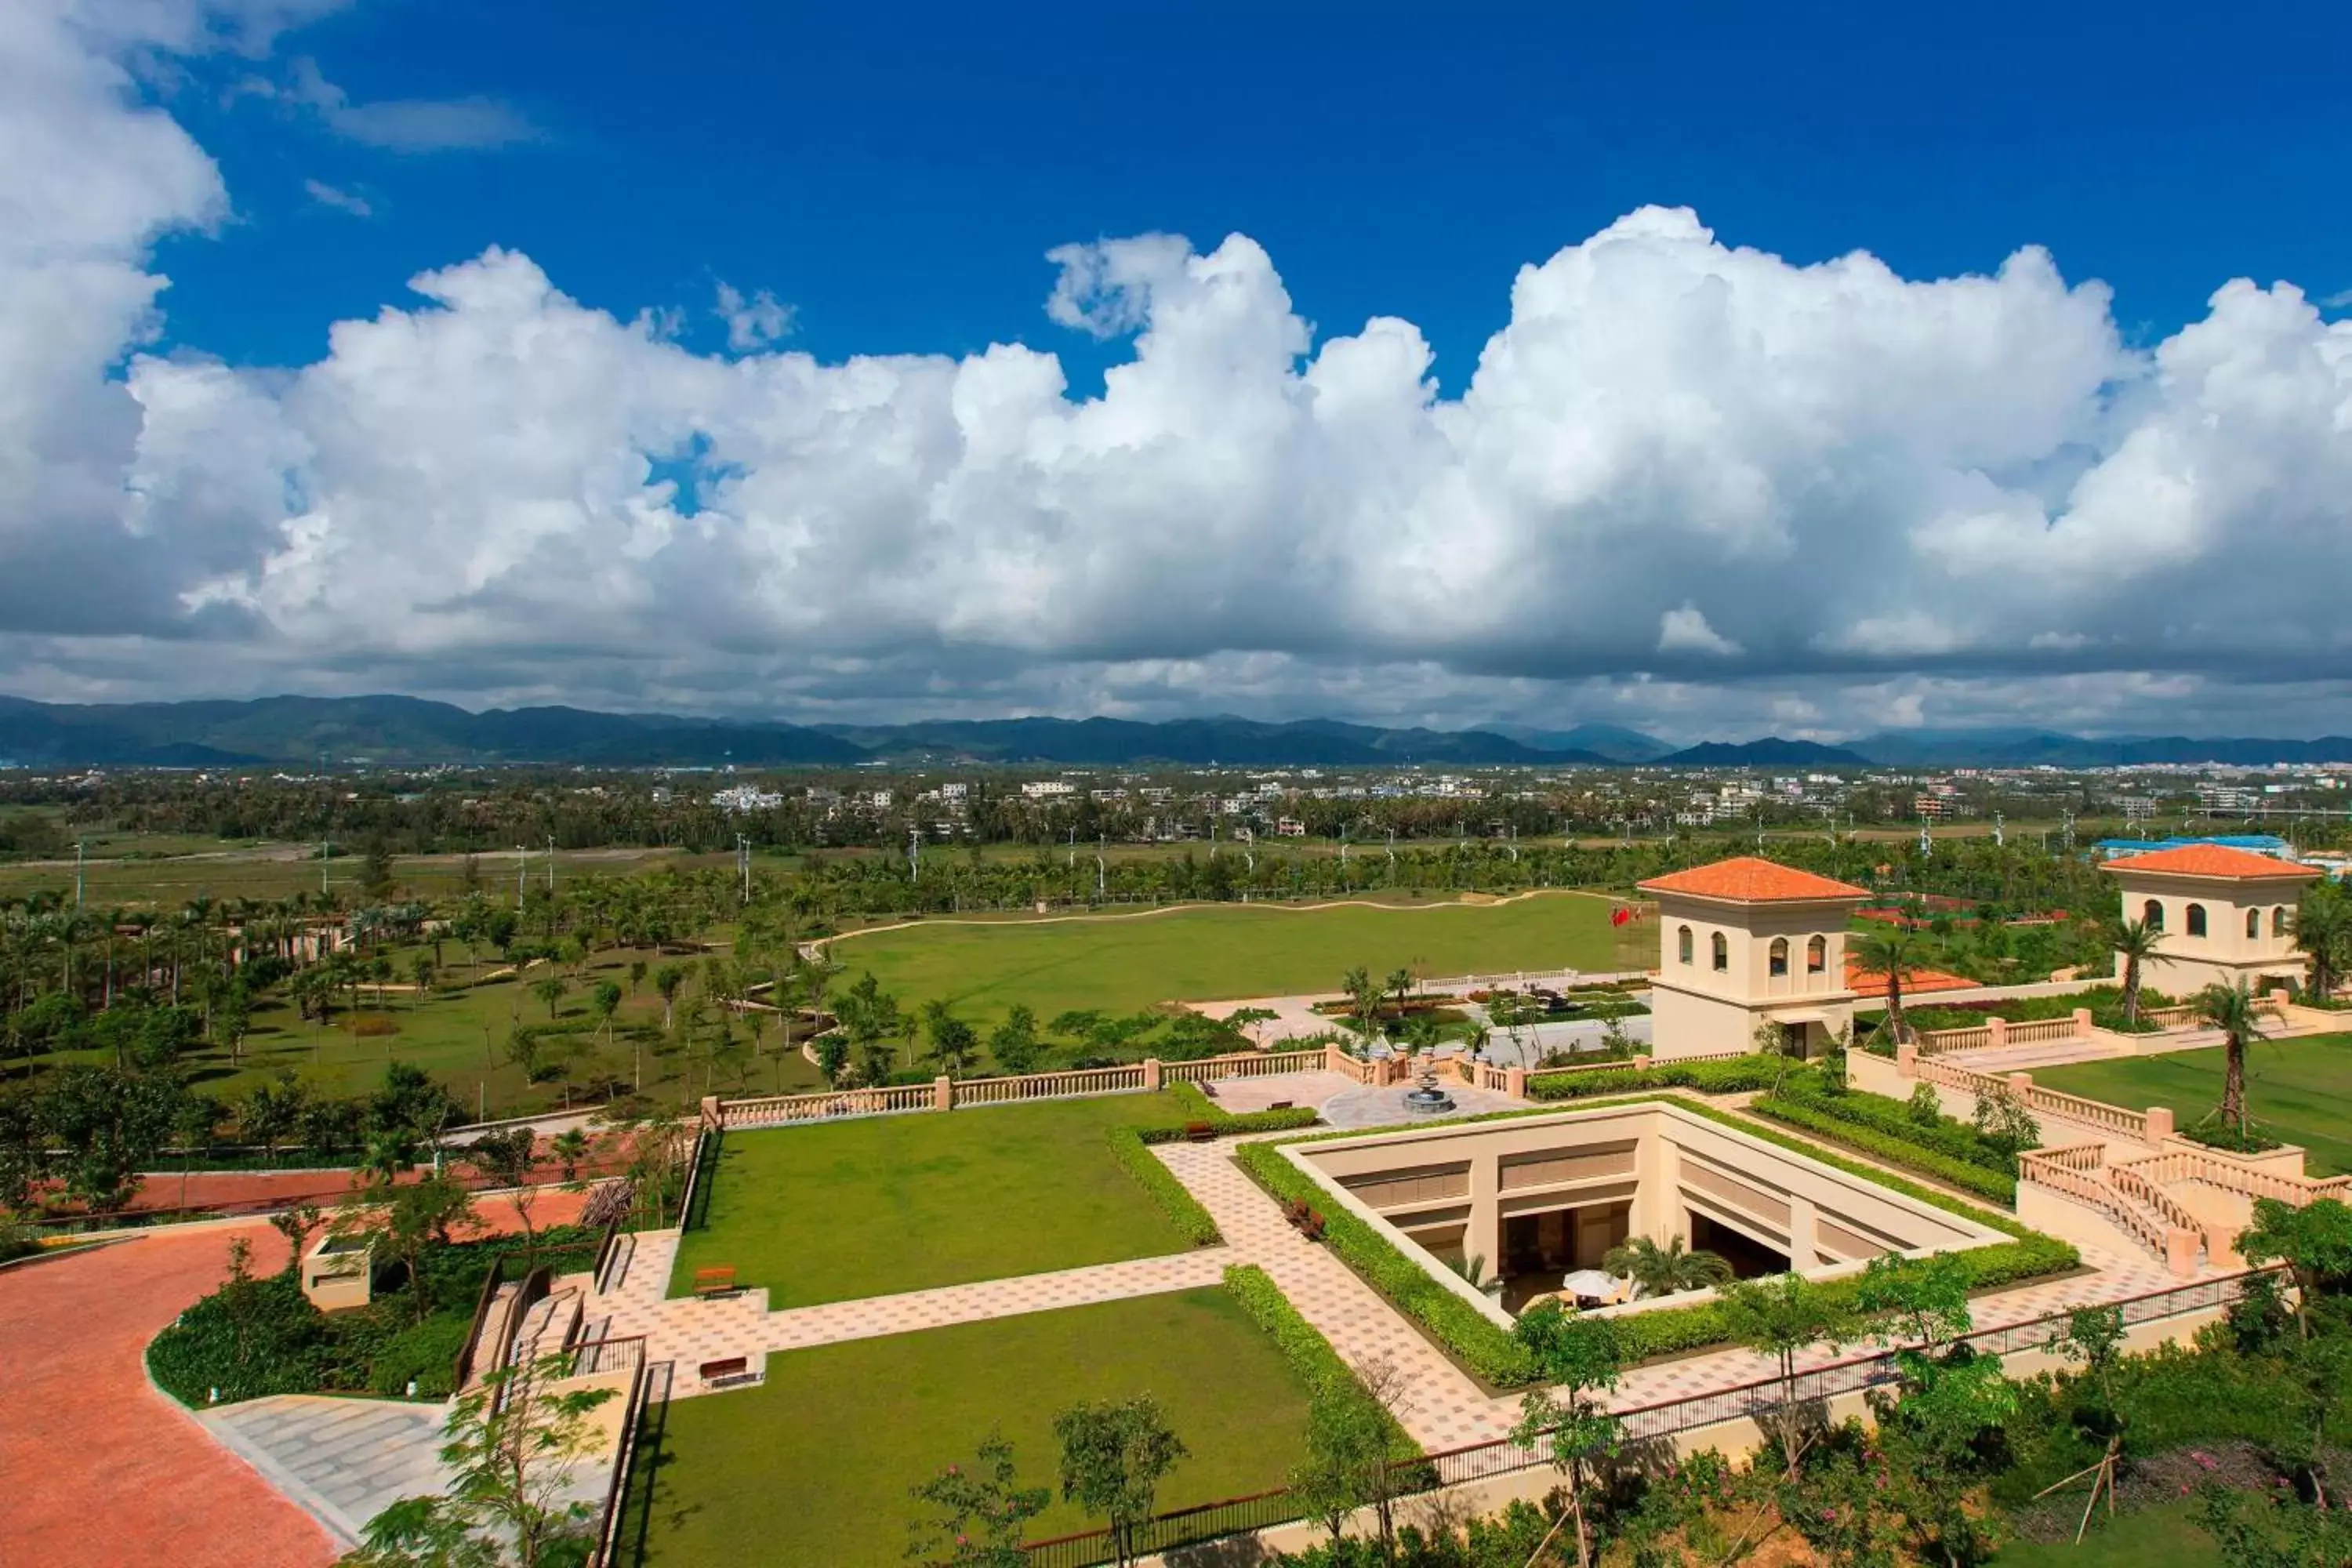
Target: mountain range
pixel 408 731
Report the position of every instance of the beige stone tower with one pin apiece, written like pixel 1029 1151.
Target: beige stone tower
pixel 1745 943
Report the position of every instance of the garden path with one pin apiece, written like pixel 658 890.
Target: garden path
pixel 1447 1409
pixel 692 1331
pixel 344 1461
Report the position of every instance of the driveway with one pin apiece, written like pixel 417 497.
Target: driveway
pixel 101 1471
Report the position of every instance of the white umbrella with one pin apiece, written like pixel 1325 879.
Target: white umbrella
pixel 1590 1284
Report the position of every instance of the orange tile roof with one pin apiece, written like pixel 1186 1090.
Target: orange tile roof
pixel 1864 984
pixel 1748 880
pixel 2212 860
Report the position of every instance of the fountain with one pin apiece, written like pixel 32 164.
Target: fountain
pixel 1428 1100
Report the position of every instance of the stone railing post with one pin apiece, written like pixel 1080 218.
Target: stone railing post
pixel 2279 998
pixel 1996 1031
pixel 1334 1059
pixel 943 1093
pixel 2180 1249
pixel 1514 1082
pixel 2021 1084
pixel 2082 1022
pixel 1151 1072
pixel 2159 1123
pixel 711 1114
pixel 1907 1059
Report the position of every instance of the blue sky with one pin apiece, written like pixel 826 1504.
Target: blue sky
pixel 897 174
pixel 1842 368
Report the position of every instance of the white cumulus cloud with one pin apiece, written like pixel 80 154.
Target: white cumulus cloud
pixel 1908 500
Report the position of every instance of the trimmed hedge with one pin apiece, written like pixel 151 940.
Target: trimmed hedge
pixel 1493 1355
pixel 1310 1356
pixel 1946 1135
pixel 1199 1107
pixel 1179 1204
pixel 1726 1075
pixel 1815 1116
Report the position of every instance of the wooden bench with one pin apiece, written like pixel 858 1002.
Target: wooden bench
pixel 715 1281
pixel 1279 1105
pixel 1199 1132
pixel 727 1367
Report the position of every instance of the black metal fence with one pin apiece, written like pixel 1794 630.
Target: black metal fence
pixel 1640 1423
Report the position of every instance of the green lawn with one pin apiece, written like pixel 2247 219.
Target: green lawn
pixel 871 1207
pixel 2299 1090
pixel 2164 1534
pixel 1119 965
pixel 813 1467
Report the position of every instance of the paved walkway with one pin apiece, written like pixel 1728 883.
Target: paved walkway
pixel 100 1469
pixel 343 1460
pixel 1447 1409
pixel 692 1331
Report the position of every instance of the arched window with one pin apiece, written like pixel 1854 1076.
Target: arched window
pixel 1817 955
pixel 2278 921
pixel 2196 920
pixel 1722 951
pixel 1778 956
pixel 1683 944
pixel 2254 923
pixel 2151 915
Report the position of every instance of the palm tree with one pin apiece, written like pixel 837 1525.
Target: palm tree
pixel 2231 1009
pixel 1889 950
pixel 1358 984
pixel 2323 933
pixel 1658 1271
pixel 2135 942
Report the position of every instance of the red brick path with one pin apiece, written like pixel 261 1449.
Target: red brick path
pixel 99 1469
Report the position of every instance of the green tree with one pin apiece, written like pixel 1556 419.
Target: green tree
pixel 1893 952
pixel 953 1042
pixel 667 981
pixel 111 1123
pixel 1934 1429
pixel 1780 1318
pixel 2135 942
pixel 1658 1271
pixel 1581 1359
pixel 569 1147
pixel 977 1514
pixel 1013 1044
pixel 375 869
pixel 2231 1009
pixel 417 1217
pixel 2314 1242
pixel 550 989
pixel 1921 1301
pixel 515 1449
pixel 507 1158
pixel 2323 934
pixel 1114 1456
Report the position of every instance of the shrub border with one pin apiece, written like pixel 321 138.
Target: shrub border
pixel 1199 1107
pixel 1175 1200
pixel 1491 1354
pixel 1302 1346
pixel 1869 1139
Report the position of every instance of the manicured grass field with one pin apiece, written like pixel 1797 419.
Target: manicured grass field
pixel 870 1207
pixel 2298 1090
pixel 813 1467
pixel 1122 964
